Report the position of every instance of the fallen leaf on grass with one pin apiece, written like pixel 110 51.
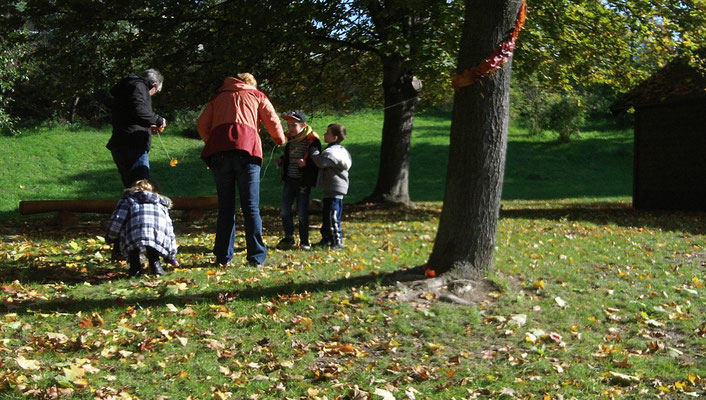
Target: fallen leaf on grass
pixel 26 364
pixel 560 302
pixel 617 377
pixel 384 394
pixel 518 319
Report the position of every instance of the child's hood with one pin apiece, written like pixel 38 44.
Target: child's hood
pixel 142 197
pixel 341 155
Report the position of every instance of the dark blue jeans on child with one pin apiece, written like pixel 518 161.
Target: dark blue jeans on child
pixel 331 232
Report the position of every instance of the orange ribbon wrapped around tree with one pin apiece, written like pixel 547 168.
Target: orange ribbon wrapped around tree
pixel 501 54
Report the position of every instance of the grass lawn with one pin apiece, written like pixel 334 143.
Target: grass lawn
pixel 66 163
pixel 594 300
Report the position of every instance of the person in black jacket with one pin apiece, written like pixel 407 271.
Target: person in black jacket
pixel 134 122
pixel 299 175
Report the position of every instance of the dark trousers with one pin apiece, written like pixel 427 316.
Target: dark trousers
pixel 133 257
pixel 231 170
pixel 331 221
pixel 133 165
pixel 295 190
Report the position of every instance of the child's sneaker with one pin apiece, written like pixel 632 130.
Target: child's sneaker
pixel 172 261
pixel 305 246
pixel 338 246
pixel 323 243
pixel 156 268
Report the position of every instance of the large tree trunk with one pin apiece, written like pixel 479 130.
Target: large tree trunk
pixel 465 240
pixel 400 101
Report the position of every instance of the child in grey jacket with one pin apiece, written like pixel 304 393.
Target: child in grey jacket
pixel 334 163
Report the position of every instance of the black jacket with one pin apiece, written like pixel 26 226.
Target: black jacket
pixel 310 171
pixel 132 114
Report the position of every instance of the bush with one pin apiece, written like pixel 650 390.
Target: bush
pixel 184 122
pixel 565 116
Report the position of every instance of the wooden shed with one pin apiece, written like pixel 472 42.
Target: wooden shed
pixel 670 138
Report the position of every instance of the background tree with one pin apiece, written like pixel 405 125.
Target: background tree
pixel 413 40
pixel 573 51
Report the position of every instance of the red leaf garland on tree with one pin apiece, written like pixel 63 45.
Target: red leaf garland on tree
pixel 501 54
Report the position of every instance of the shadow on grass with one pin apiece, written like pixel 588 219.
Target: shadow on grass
pixel 690 222
pixel 248 294
pixel 28 268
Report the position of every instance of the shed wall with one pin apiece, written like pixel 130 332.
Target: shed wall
pixel 670 156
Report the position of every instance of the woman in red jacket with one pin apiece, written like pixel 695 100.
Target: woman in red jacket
pixel 229 125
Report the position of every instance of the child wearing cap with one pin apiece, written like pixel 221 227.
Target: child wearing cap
pixel 299 174
pixel 334 163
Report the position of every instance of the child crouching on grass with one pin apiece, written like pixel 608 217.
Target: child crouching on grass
pixel 142 224
pixel 334 163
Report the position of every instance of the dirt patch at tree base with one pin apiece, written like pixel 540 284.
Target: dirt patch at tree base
pixel 413 286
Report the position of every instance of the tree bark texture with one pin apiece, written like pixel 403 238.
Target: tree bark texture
pixel 465 241
pixel 400 101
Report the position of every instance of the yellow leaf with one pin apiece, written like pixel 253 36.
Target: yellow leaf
pixel 434 346
pixel 623 378
pixel 386 395
pixel 74 372
pixel 693 379
pixel 219 394
pixel 80 382
pixel 24 363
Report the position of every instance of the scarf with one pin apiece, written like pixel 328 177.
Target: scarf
pixel 301 135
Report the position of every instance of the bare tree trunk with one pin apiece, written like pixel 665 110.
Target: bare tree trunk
pixel 73 108
pixel 465 240
pixel 400 101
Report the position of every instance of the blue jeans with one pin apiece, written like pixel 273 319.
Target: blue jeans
pixel 295 190
pixel 231 169
pixel 133 164
pixel 331 232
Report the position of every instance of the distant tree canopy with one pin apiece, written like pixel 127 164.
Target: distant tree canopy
pixel 317 54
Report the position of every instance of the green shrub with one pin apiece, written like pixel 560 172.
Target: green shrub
pixel 565 116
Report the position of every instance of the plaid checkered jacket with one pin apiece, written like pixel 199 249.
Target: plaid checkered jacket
pixel 141 218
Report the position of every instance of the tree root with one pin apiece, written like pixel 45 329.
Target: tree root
pixel 413 287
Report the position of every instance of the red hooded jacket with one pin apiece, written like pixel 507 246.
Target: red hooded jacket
pixel 231 120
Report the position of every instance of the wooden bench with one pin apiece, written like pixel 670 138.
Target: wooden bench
pixel 66 209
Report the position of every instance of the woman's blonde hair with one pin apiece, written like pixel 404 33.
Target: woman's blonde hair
pixel 247 78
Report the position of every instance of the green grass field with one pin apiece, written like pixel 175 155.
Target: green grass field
pixel 61 163
pixel 592 299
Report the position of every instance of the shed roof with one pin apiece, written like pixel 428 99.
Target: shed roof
pixel 677 81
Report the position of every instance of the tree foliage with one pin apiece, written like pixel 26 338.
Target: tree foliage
pixel 617 42
pixel 317 54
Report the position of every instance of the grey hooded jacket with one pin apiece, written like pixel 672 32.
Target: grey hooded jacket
pixel 334 163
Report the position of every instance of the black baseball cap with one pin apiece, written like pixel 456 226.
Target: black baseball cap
pixel 297 116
